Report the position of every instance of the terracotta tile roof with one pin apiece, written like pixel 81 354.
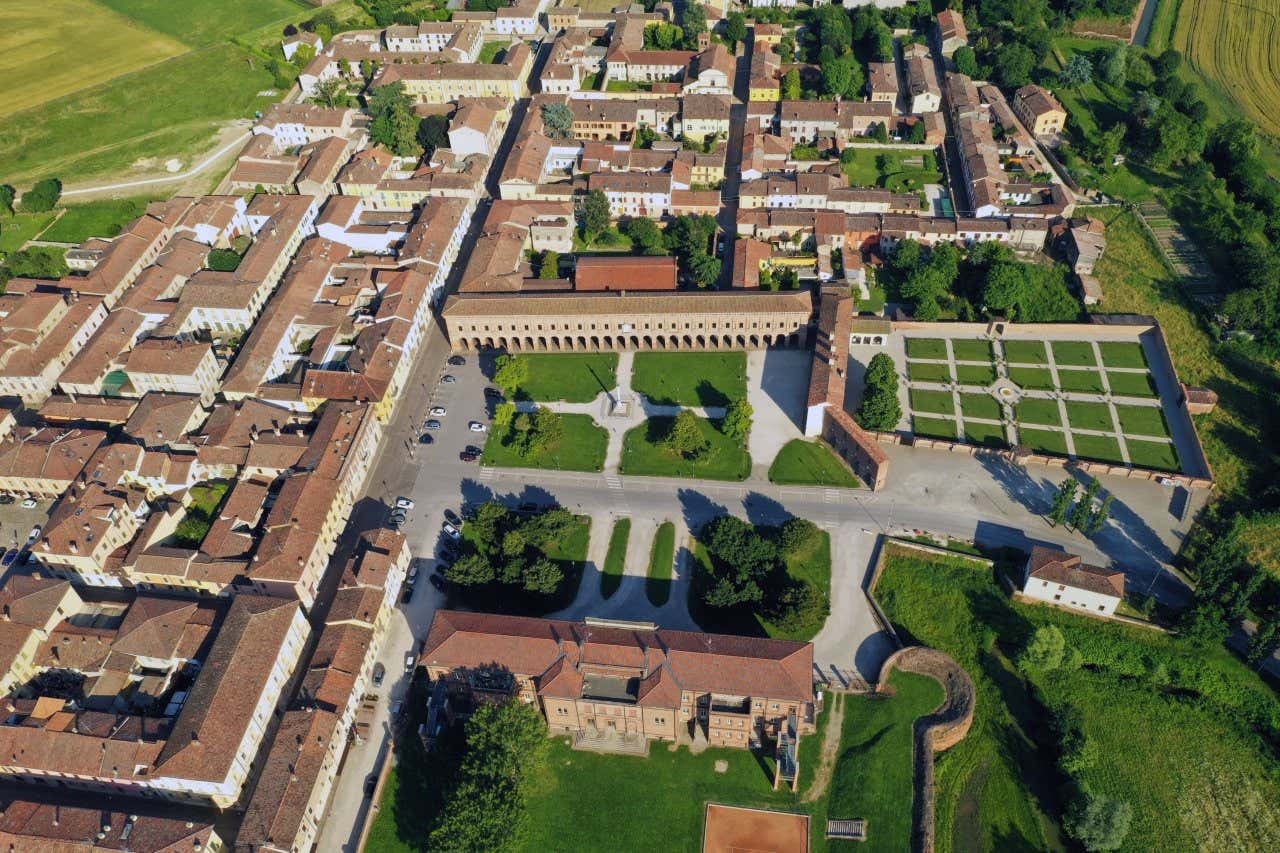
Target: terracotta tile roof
pixel 28 825
pixel 293 766
pixel 1070 570
pixel 625 273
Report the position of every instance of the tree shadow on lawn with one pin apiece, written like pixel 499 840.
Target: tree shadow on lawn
pixel 709 395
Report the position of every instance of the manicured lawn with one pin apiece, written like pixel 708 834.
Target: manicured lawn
pixel 611 242
pixel 980 406
pixel 201 513
pixel 1158 455
pixel 582 448
pixel 572 377
pixel 1083 415
pixel 1080 380
pixel 690 379
pixel 1035 378
pixel 615 561
pixel 972 350
pixel 1044 440
pixel 1025 352
pixel 926 348
pixel 1123 354
pixel 1103 448
pixel 1143 420
pixel 933 402
pixel 489 53
pixel 1127 384
pixel 810 463
pixel 662 557
pixel 975 374
pixel 986 435
pixel 1077 353
pixel 1037 410
pixel 21 227
pixel 928 371
pixel 899 171
pixel 811 565
pixel 644 454
pixel 934 427
pixel 105 218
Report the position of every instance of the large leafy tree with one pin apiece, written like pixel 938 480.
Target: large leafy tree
pixel 1099 823
pixel 685 437
pixel 43 196
pixel 880 409
pixel 557 120
pixel 394 123
pixel 510 372
pixel 737 420
pixel 595 214
pixel 433 133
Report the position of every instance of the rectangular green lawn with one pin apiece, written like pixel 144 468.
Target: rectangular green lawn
pixel 1126 384
pixel 1080 380
pixel 1157 455
pixel 934 427
pixel 1037 410
pixel 980 406
pixel 926 348
pixel 976 374
pixel 986 435
pixel 21 227
pixel 581 449
pixel 657 585
pixel 644 454
pixel 615 559
pixel 1089 416
pixel 928 371
pixel 1078 353
pixel 1025 352
pixel 1044 440
pixel 1123 354
pixel 690 378
pixel 810 463
pixel 571 377
pixel 1035 378
pixel 933 402
pixel 1103 448
pixel 105 218
pixel 972 350
pixel 1143 420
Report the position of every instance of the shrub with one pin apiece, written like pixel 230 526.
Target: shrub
pixel 1099 823
pixel 880 409
pixel 43 196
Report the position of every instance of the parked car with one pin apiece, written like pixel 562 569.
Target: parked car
pixel 472 449
pixel 491 391
pixel 439 411
pixel 396 707
pixel 433 424
pixel 410 661
pixel 425 438
pixel 448 551
pixel 448 379
pixel 467 457
pixel 437 581
pixel 413 573
pixel 6 499
pixel 451 531
pixel 404 503
pixel 476 426
pixel 379 673
pixel 407 595
pixel 34 535
pixel 9 557
pixel 452 517
pixel 370 785
pixel 29 503
pixel 457 360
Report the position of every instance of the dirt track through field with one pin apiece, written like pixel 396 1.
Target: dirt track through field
pixel 830 746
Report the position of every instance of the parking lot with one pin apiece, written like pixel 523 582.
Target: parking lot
pixel 17 522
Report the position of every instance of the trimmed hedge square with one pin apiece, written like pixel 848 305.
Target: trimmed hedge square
pixel 926 348
pixel 1157 455
pixel 972 350
pixel 1126 384
pixel 1102 448
pixel 1077 353
pixel 1143 420
pixel 1123 354
pixel 980 406
pixel 1044 440
pixel 928 371
pixel 1080 381
pixel 1025 352
pixel 933 402
pixel 976 374
pixel 934 427
pixel 1037 410
pixel 1035 378
pixel 1089 416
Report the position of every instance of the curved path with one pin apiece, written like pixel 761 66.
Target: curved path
pixel 168 179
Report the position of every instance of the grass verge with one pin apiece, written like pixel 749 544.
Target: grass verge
pixel 690 378
pixel 657 585
pixel 571 377
pixel 615 560
pixel 810 463
pixel 645 454
pixel 582 448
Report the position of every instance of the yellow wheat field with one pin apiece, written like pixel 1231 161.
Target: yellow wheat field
pixel 1236 43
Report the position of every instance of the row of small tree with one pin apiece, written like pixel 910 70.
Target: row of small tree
pixel 1085 514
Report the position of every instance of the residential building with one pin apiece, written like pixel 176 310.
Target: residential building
pixel 882 82
pixel 949 32
pixel 923 92
pixel 1039 110
pixel 1067 581
pixel 28 824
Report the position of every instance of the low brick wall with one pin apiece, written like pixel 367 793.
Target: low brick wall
pixel 856 447
pixel 939 731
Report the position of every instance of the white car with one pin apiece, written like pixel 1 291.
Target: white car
pixel 29 503
pixel 476 426
pixel 404 503
pixel 35 534
pixel 451 530
pixel 438 411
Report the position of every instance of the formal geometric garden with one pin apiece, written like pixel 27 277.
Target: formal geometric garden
pixel 1086 399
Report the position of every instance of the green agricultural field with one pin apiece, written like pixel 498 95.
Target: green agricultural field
pixel 928 371
pixel 972 350
pixel 21 227
pixel 1089 416
pixel 203 22
pixel 934 427
pixel 935 348
pixel 810 463
pixel 582 448
pixel 1128 384
pixel 1123 354
pixel 615 560
pixel 690 378
pixel 1074 353
pixel 657 585
pixel 1143 420
pixel 933 402
pixel 1136 697
pixel 1157 455
pixel 986 435
pixel 1044 440
pixel 1025 352
pixel 980 406
pixel 645 455
pixel 975 374
pixel 51 48
pixel 1102 448
pixel 1080 380
pixel 105 218
pixel 571 377
pixel 1034 378
pixel 1037 410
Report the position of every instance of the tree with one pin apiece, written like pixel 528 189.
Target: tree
pixel 38 262
pixel 1078 71
pixel 737 420
pixel 685 437
pixel 694 23
pixel 787 52
pixel 833 28
pixel 543 576
pixel 791 85
pixel 735 28
pixel 470 570
pixel 643 137
pixel 646 237
pixel 510 372
pixel 797 534
pixel 1014 62
pixel 433 133
pixel 878 131
pixel 1044 651
pixel 705 270
pixel 1098 823
pixel 1116 65
pixel 595 214
pixel 43 196
pixel 741 562
pixel 557 120
pixel 550 268
pixel 1265 640
pixel 367 70
pixel 842 76
pixel 1099 517
pixel 880 409
pixel 395 125
pixel 917 134
pixel 1062 501
pixel 1167 64
pixel 330 92
pixel 966 61
pixel 1083 510
pixel 504 414
pixel 7 194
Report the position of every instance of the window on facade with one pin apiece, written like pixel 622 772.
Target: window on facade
pixel 1057 598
